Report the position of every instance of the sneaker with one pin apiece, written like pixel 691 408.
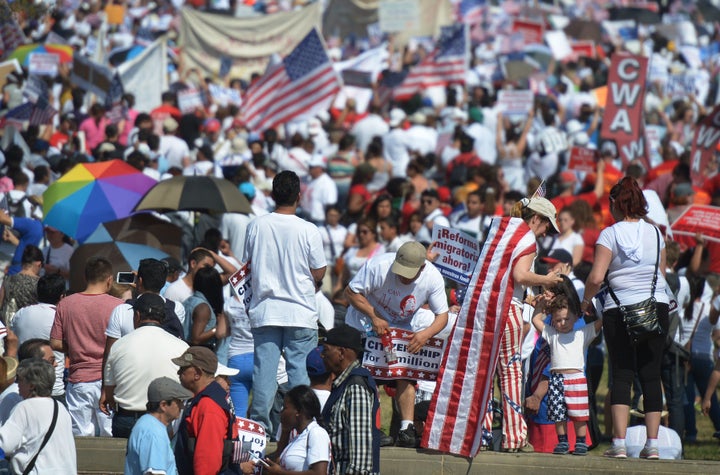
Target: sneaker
pixel 580 449
pixel 408 438
pixel 716 435
pixel 649 453
pixel 562 448
pixel 616 452
pixel 386 440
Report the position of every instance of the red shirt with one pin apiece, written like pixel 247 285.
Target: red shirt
pixel 208 423
pixel 160 113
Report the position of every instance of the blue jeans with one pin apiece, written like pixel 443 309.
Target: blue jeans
pixel 270 341
pixel 241 383
pixel 699 375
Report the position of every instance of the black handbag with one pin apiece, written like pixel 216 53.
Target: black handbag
pixel 641 320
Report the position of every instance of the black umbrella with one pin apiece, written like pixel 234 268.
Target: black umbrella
pixel 641 15
pixel 195 193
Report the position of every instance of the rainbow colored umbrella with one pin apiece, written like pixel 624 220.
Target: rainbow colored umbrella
pixel 22 53
pixel 93 193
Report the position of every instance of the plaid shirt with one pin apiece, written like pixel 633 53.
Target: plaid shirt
pixel 351 427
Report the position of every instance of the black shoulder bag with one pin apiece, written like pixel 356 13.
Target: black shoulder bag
pixel 31 465
pixel 641 320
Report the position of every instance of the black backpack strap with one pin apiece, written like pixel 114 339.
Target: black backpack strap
pixel 31 465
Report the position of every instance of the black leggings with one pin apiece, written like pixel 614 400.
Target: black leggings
pixel 625 360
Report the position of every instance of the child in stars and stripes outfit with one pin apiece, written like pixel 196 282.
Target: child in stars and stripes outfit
pixel 567 391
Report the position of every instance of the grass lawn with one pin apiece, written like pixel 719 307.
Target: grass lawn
pixel 706 447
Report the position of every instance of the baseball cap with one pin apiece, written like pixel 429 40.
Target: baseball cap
pixel 166 389
pixel 149 304
pixel 396 117
pixel 317 160
pixel 200 357
pixel 545 208
pixel 170 124
pixel 212 125
pixel 409 259
pixel 315 364
pixel 345 336
pixel 223 370
pixel 568 177
pixel 173 265
pixel 558 255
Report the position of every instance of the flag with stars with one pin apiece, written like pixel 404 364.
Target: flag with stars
pixel 471 11
pixel 240 281
pixel 455 418
pixel 301 84
pixel 42 113
pixel 445 65
pixel 18 116
pixel 423 365
pixel 250 442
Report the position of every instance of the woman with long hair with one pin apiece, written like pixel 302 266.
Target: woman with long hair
pixel 627 252
pixel 367 246
pixel 205 320
pixel 308 451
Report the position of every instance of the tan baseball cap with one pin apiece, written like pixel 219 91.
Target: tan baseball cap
pixel 409 259
pixel 200 357
pixel 545 208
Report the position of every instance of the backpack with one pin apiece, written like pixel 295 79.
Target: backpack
pixel 16 208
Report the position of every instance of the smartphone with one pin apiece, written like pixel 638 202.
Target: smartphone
pixel 125 278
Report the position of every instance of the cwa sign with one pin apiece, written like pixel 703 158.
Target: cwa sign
pixel 623 122
pixel 705 140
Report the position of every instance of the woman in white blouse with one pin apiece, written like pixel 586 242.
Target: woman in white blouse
pixel 304 446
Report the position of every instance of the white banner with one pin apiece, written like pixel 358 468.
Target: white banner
pixel 398 15
pixel 423 365
pixel 134 74
pixel 240 281
pixel 44 64
pixel 252 441
pixel 457 253
pixel 189 100
pixel 515 103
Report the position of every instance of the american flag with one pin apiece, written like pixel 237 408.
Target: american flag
pixel 471 11
pixel 18 115
pixel 42 112
pixel 446 64
pixel 302 83
pixel 464 387
pixel 540 191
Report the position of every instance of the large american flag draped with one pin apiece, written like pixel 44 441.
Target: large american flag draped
pixel 455 418
pixel 445 64
pixel 303 83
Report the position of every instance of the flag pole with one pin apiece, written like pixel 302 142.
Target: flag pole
pixel 539 191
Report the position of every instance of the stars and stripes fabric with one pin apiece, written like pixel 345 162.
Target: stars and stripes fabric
pixel 303 83
pixel 471 11
pixel 446 64
pixel 540 191
pixel 42 112
pixel 19 115
pixel 11 35
pixel 455 418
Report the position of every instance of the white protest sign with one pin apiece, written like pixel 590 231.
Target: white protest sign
pixel 189 100
pixel 251 441
pixel 515 103
pixel 458 253
pixel 680 85
pixel 398 15
pixel 559 44
pixel 658 71
pixel 423 365
pixel 224 95
pixel 240 281
pixel 44 64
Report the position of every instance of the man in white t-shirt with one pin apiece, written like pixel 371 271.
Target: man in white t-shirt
pixel 369 127
pixel 138 357
pixel 200 257
pixel 287 258
pixel 432 214
pixel 396 144
pixel 320 193
pixel 387 292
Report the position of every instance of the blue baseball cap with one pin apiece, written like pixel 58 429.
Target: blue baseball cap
pixel 315 364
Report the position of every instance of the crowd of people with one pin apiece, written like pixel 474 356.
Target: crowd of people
pixel 339 249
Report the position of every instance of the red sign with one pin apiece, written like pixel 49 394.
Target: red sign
pixel 582 159
pixel 532 31
pixel 699 219
pixel 707 135
pixel 622 121
pixel 584 49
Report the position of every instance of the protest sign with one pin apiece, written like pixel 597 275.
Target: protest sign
pixel 679 86
pixel 516 103
pixel 43 64
pixel 623 112
pixel 457 253
pixel 398 15
pixel 223 96
pixel 423 365
pixel 251 440
pixel 241 283
pixel 559 44
pixel 532 31
pixel 707 135
pixel 115 14
pixel 584 49
pixel 189 100
pixel 91 76
pixel 699 219
pixel 582 159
